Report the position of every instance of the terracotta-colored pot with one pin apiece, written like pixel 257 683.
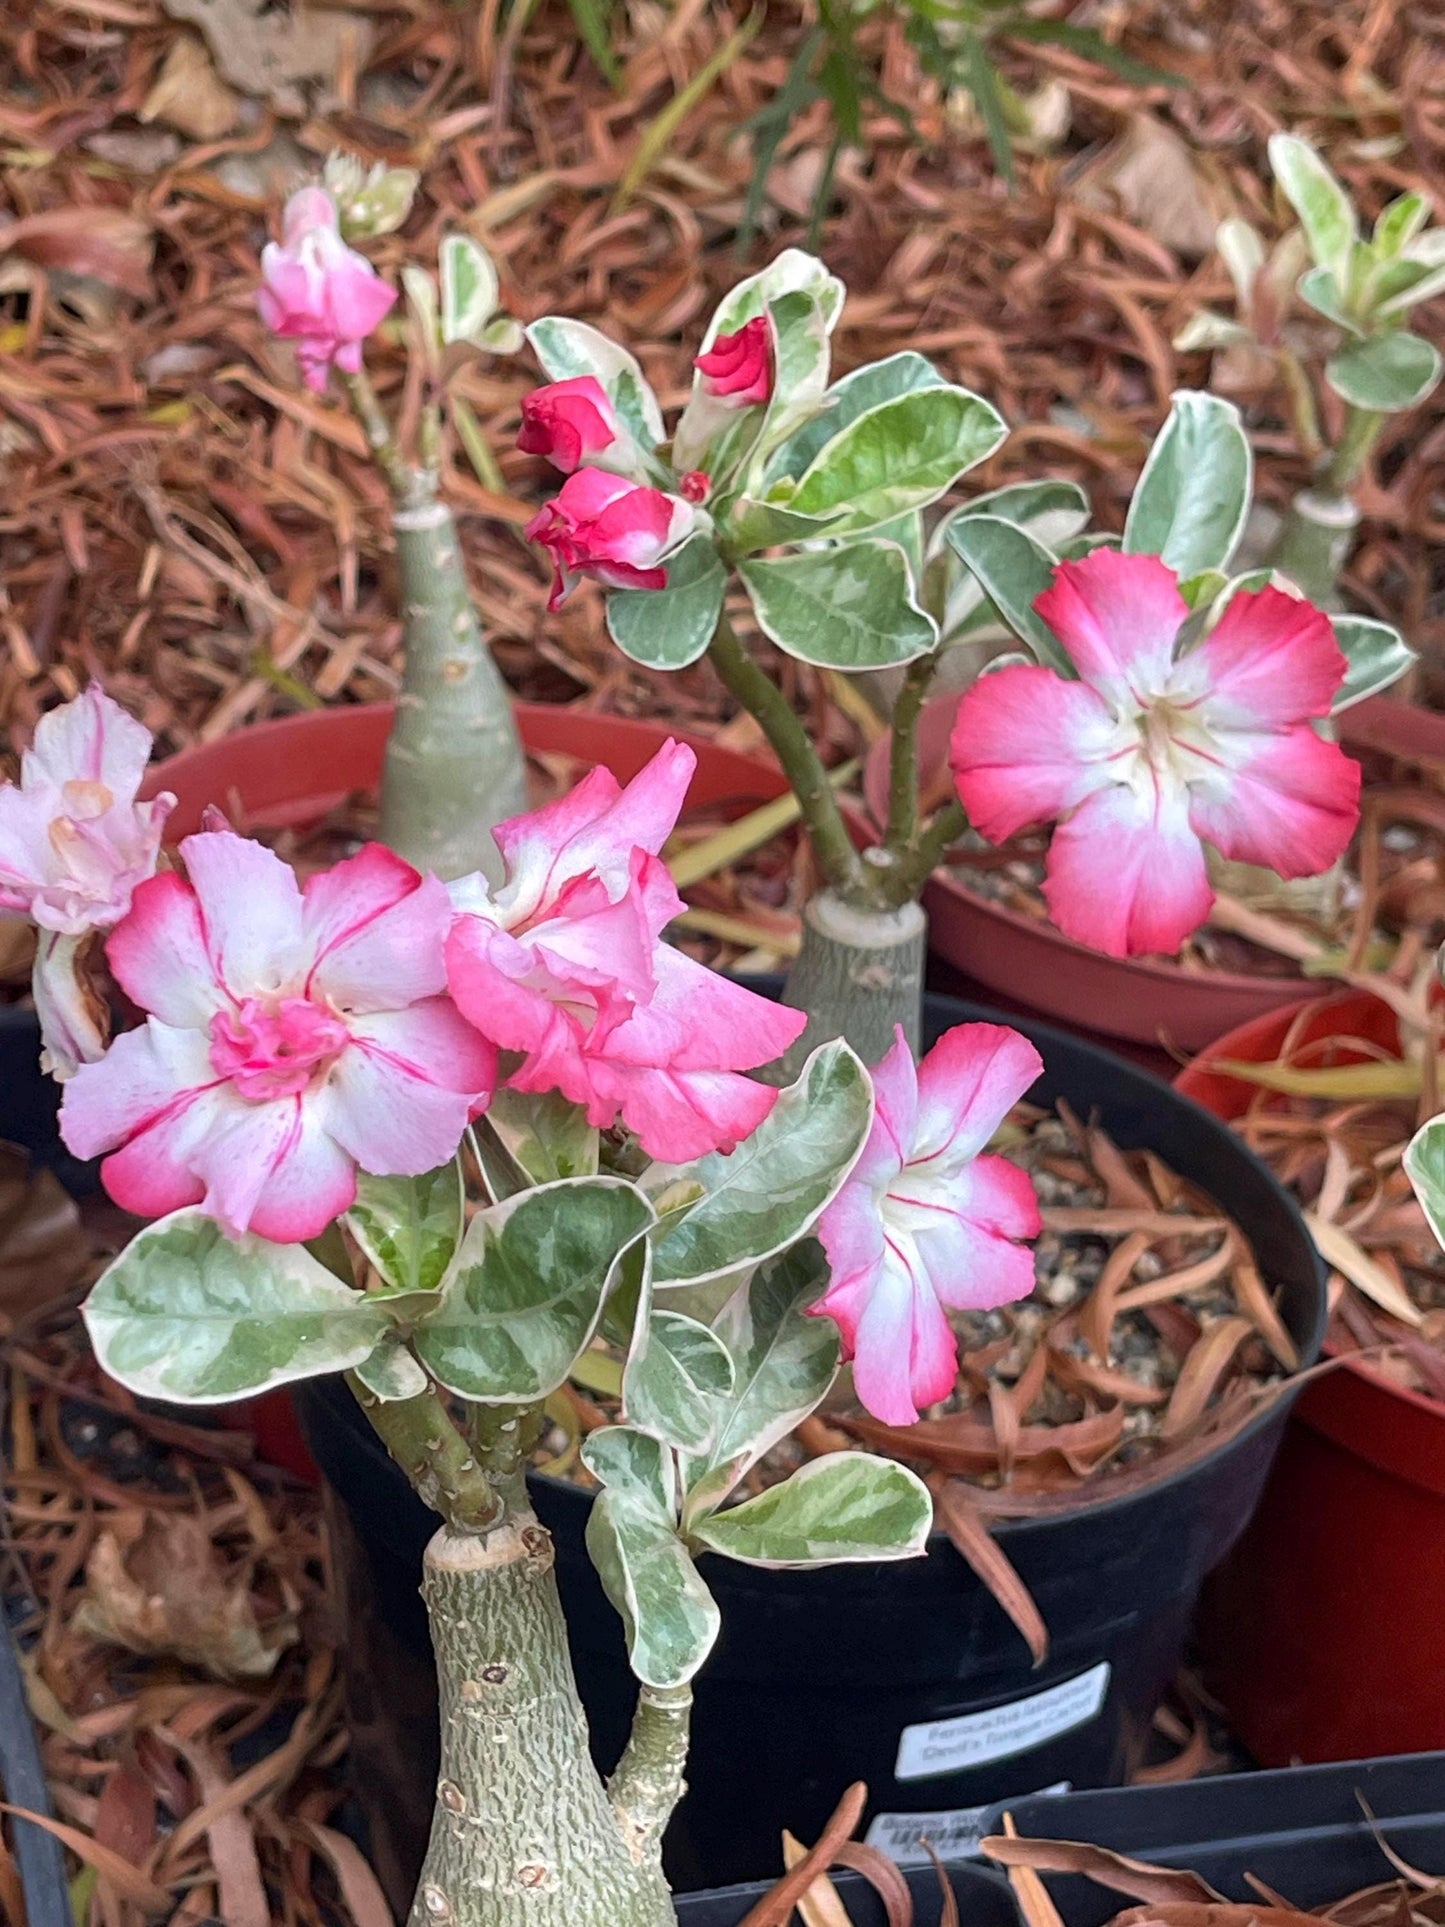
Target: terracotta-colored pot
pixel 1322 1632
pixel 1146 1000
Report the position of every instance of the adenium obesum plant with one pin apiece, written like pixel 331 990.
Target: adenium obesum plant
pixel 445 1140
pixel 1167 704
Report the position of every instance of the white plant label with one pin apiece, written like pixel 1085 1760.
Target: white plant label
pixel 973 1739
pixel 953 1835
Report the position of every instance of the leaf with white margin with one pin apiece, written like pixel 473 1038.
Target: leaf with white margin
pixel 769 1191
pixel 846 400
pixel 1377 654
pixel 670 628
pixel 677 1373
pixel 569 348
pixel 901 455
pixel 1326 212
pixel 847 607
pixel 1386 374
pixel 842 1509
pixel 1014 569
pixel 1319 290
pixel 1425 1168
pixel 409 1228
pixel 670 1618
pixel 1398 223
pixel 1051 512
pixel 526 1290
pixel 391 1372
pixel 187 1314
pixel 754 524
pixel 470 288
pixel 1192 498
pixel 546 1135
pixel 783 1360
pixel 792 271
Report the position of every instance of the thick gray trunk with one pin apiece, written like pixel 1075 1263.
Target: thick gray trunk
pixel 858 975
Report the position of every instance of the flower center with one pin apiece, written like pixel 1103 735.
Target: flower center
pixel 271 1047
pixel 1174 740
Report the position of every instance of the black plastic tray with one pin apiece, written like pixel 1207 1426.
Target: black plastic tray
pixel 984 1900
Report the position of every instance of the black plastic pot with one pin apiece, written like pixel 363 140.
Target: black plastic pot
pixel 1302 1830
pixel 984 1900
pixel 30 1103
pixel 827 1677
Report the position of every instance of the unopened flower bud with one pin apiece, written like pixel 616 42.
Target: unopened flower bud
pixel 369 201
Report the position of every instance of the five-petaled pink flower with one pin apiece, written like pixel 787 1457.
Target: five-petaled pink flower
pixel 572 422
pixel 740 366
pixel 293 1035
pixel 317 291
pixel 1151 754
pixel 566 963
pixel 924 1224
pixel 616 531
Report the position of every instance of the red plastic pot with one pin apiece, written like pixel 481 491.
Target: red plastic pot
pixel 1322 1633
pixel 292 772
pixel 1146 1000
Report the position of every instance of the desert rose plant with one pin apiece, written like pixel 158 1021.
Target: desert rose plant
pixel 445 1141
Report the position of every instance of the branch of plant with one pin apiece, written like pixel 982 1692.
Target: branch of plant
pixel 765 701
pixel 903 772
pixel 1303 413
pixel 408 485
pixel 1358 437
pixel 917 865
pixel 648 1782
pixel 436 1457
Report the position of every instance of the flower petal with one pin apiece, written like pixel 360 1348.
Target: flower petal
pixel 1126 872
pixel 676 1115
pixel 967 1085
pixel 273 1169
pixel 156 1171
pixel 973 1268
pixel 159 957
pixel 145 1075
pixel 697 1020
pixel 251 911
pixel 905 1355
pixel 1288 801
pixel 1271 660
pixel 89 740
pixel 376 929
pixel 399 1098
pixel 1028 745
pixel 1118 617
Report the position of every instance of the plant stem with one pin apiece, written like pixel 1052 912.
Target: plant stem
pixel 1304 416
pixel 1358 437
pixel 648 1782
pixel 404 481
pixel 917 865
pixel 762 698
pixel 440 1463
pixel 1314 543
pixel 903 768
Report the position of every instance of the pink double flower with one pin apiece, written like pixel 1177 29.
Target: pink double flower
pixel 318 292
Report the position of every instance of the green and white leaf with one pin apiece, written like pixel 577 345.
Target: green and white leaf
pixel 783 1364
pixel 187 1314
pixel 1052 512
pixel 846 400
pixel 1014 569
pixel 1425 1168
pixel 1404 284
pixel 409 1228
pixel 1207 330
pixel 1377 653
pixel 1399 222
pixel 901 455
pixel 755 525
pixel 569 348
pixel 676 1376
pixel 1325 210
pixel 546 1135
pixel 842 1509
pixel 1193 495
pixel 792 271
pixel 1241 248
pixel 636 1466
pixel 848 607
pixel 1387 373
pixel 770 1190
pixel 670 628
pixel 526 1290
pixel 391 1371
pixel 1319 290
pixel 670 1618
pixel 470 288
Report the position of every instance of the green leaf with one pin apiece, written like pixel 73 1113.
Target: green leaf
pixel 1403 285
pixel 391 1371
pixel 1192 498
pixel 670 1618
pixel 594 21
pixel 838 1510
pixel 755 525
pixel 983 83
pixel 526 1289
pixel 846 400
pixel 783 1364
pixel 409 1227
pixel 187 1314
pixel 1399 222
pixel 901 455
pixel 669 628
pixel 676 1374
pixel 1325 210
pixel 1425 1168
pixel 634 1465
pixel 792 270
pixel 1377 654
pixel 769 1191
pixel 1386 374
pixel 470 288
pixel 568 348
pixel 546 1135
pixel 1320 291
pixel 1241 249
pixel 502 336
pixel 1052 512
pixel 1089 42
pixel 1014 570
pixel 850 607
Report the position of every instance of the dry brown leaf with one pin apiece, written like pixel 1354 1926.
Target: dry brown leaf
pixel 104 243
pixel 1157 180
pixel 154 1584
pixel 1203 1369
pixel 272 53
pixel 972 1540
pixel 360 1889
pixel 189 94
pixel 1137 1878
pixel 1365 1273
pixel 229 1835
pixel 820 1905
pixel 44 1253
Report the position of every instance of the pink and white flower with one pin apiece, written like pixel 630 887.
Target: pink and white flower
pixel 293 1036
pixel 318 292
pixel 1152 752
pixel 616 531
pixel 574 422
pixel 926 1225
pixel 739 367
pixel 566 963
